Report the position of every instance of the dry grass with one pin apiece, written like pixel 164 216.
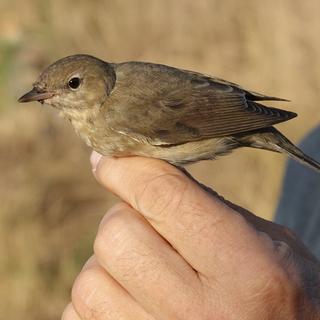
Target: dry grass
pixel 50 204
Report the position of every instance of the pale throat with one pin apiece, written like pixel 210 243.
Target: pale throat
pixel 80 114
pixel 83 121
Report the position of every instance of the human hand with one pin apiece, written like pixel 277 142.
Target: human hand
pixel 172 250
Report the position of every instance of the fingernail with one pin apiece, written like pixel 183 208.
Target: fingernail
pixel 94 159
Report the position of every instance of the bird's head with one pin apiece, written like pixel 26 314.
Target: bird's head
pixel 78 81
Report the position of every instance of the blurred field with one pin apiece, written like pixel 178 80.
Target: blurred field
pixel 50 205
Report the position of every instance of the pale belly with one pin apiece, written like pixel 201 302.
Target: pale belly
pixel 123 146
pixel 111 143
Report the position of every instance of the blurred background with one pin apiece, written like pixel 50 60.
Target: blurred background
pixel 50 205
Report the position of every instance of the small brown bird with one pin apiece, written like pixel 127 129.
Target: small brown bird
pixel 153 110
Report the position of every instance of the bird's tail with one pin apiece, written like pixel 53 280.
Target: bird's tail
pixel 271 139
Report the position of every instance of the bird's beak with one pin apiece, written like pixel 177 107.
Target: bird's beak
pixel 36 95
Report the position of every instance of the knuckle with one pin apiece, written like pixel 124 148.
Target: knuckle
pixel 266 239
pixel 84 287
pixel 283 251
pixel 92 261
pixel 162 195
pixel 92 296
pixel 69 313
pixel 121 249
pixel 112 232
pixel 118 208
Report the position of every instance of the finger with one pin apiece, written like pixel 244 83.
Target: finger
pixel 96 295
pixel 136 256
pixel 275 231
pixel 193 221
pixel 70 313
pixel 91 262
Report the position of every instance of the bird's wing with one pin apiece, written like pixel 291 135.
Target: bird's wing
pixel 170 106
pixel 230 86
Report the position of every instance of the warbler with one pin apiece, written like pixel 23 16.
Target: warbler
pixel 154 110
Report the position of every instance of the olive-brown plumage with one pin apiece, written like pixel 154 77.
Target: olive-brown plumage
pixel 138 108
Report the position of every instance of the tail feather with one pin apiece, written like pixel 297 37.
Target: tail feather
pixel 273 140
pixel 298 155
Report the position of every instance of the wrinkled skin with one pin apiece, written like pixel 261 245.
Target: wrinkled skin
pixel 173 249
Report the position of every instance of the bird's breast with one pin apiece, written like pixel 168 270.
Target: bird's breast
pixel 94 131
pixel 109 142
pixel 82 122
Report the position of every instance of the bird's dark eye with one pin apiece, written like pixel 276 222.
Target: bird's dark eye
pixel 74 83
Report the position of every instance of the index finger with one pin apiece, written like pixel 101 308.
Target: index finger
pixel 192 221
